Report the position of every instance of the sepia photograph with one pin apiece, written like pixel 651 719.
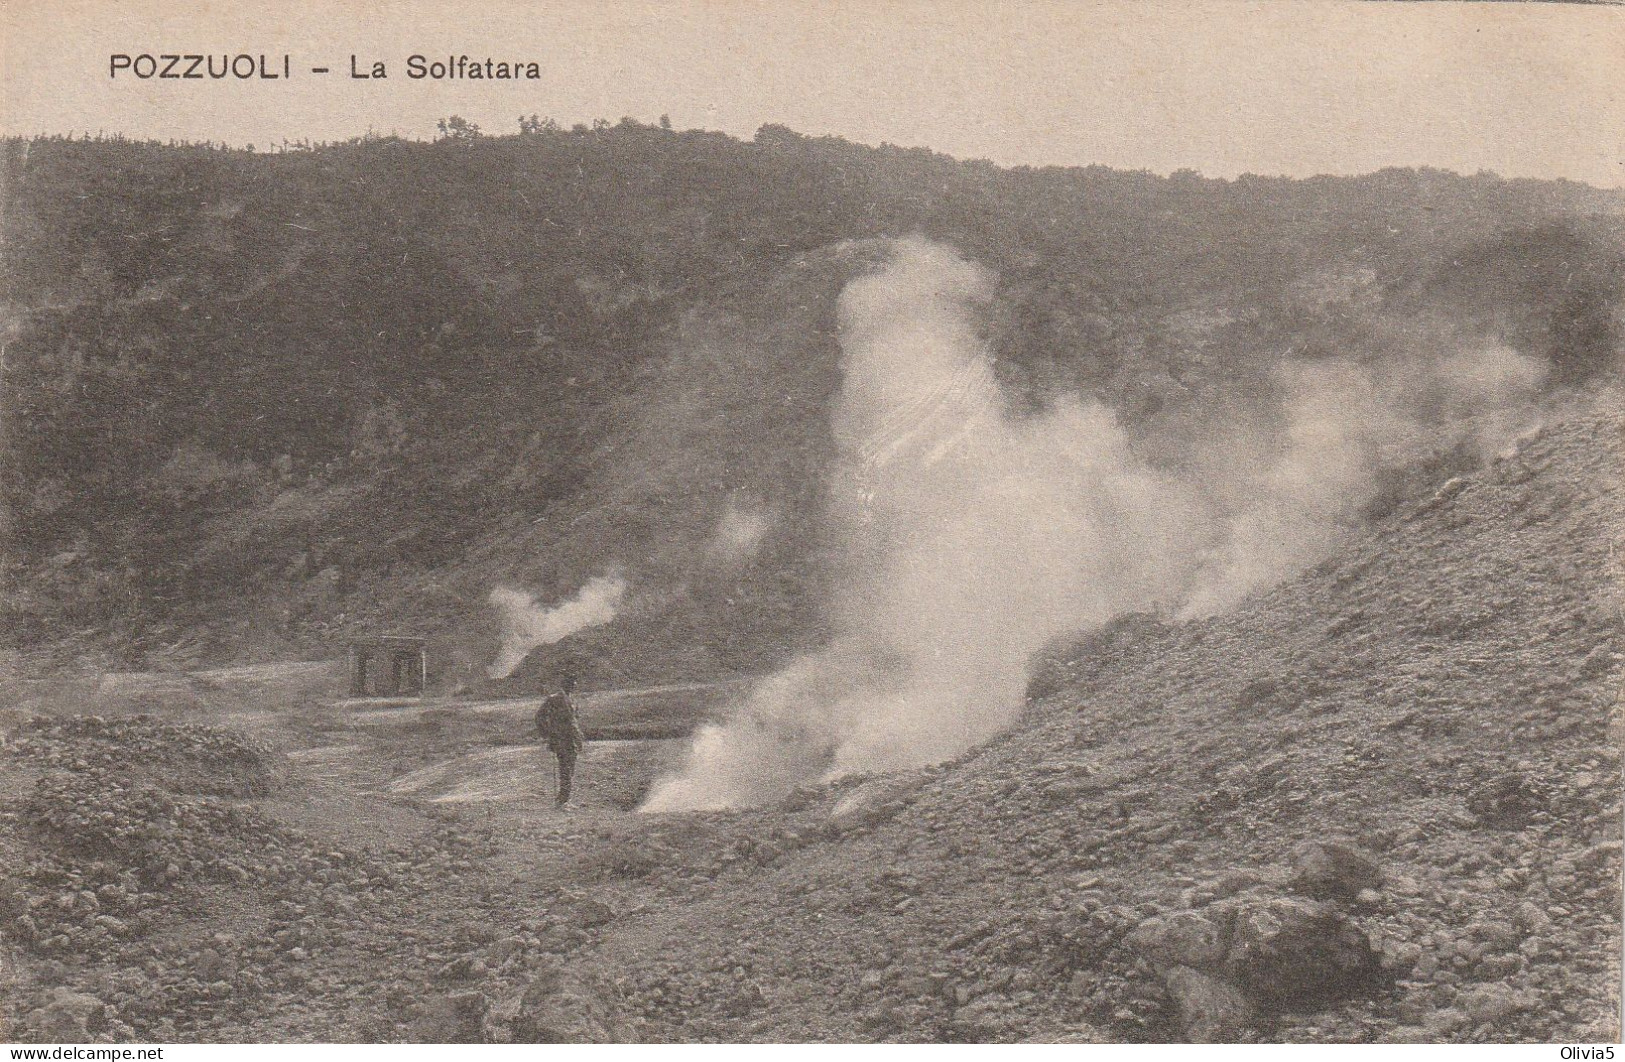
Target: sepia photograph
pixel 813 522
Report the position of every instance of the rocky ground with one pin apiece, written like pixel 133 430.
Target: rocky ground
pixel 1381 802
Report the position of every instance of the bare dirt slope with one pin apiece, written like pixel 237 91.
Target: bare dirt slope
pixel 1379 802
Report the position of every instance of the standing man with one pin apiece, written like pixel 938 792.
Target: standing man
pixel 556 721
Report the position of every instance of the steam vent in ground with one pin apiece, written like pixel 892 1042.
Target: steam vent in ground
pixel 997 604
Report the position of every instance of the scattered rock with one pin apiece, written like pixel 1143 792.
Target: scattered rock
pixel 68 1017
pixel 1508 801
pixel 1490 1003
pixel 1598 855
pixel 1334 870
pixel 561 938
pixel 586 912
pixel 1496 933
pixel 1209 1010
pixel 1185 938
pixel 453 1019
pixel 556 1007
pixel 1065 791
pixel 1529 918
pixel 1080 1033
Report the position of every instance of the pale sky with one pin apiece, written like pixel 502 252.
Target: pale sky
pixel 1282 87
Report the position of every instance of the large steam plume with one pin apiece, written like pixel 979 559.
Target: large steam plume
pixel 973 537
pixel 971 540
pixel 527 625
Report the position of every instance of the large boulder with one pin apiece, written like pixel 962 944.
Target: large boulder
pixel 1184 938
pixel 1209 1010
pixel 1228 962
pixel 1298 953
pixel 68 1017
pixel 1334 870
pixel 556 1007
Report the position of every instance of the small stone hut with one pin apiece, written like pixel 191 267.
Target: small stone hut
pixel 404 670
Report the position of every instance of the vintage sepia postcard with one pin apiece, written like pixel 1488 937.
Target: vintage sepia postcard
pixel 823 521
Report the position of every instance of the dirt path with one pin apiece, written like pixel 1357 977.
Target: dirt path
pixel 424 836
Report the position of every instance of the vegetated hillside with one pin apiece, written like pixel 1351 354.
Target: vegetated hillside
pixel 1381 801
pixel 254 402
